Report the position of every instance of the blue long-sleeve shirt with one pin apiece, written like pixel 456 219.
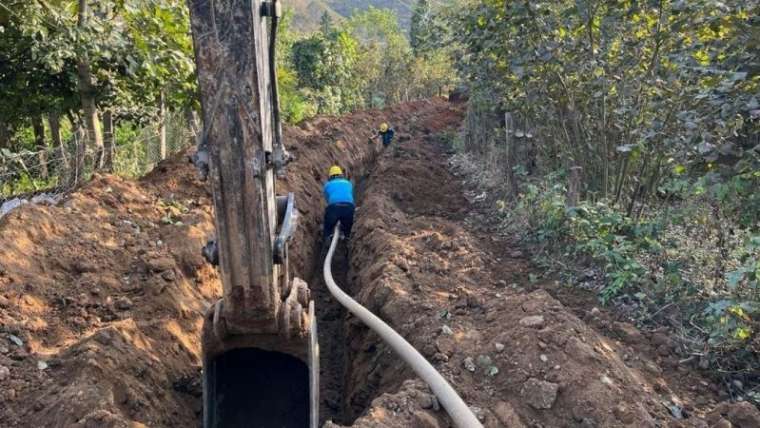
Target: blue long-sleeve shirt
pixel 339 191
pixel 387 136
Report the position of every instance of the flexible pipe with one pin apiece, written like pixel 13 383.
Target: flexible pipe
pixel 461 415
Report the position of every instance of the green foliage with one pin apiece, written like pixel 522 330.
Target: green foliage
pixel 136 49
pixel 365 61
pixel 667 260
pixel 385 56
pixel 623 89
pixel 140 57
pixel 325 66
pixel 593 232
pixel 746 276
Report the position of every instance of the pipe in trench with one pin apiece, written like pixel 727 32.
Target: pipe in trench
pixel 457 409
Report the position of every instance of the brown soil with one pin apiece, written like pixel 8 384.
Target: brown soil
pixel 105 295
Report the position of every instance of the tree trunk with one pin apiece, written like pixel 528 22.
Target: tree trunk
pixel 5 135
pixel 511 154
pixel 108 140
pixel 39 143
pixel 87 96
pixel 64 173
pixel 193 123
pixel 573 187
pixel 54 122
pixel 162 125
pixel 80 137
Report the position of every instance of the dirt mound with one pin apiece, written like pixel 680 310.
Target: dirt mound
pixel 460 295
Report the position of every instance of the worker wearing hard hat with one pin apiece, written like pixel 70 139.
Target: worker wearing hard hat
pixel 339 194
pixel 386 134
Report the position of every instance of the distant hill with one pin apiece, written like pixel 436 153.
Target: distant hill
pixel 309 12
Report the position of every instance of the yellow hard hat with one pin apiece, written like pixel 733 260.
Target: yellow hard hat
pixel 383 127
pixel 335 170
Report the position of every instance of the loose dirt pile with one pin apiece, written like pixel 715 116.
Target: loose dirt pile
pixel 102 296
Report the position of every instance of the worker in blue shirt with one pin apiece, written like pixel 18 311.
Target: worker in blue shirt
pixel 339 194
pixel 386 134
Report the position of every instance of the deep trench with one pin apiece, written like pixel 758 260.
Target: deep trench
pixel 335 354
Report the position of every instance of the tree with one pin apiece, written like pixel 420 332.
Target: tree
pixel 78 58
pixel 326 24
pixel 87 91
pixel 419 33
pixel 385 55
pixel 326 68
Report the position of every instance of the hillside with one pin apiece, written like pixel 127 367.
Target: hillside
pixel 309 12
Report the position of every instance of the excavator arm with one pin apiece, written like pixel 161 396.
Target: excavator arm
pixel 260 357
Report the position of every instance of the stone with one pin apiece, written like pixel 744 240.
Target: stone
pixel 484 361
pixel 160 264
pixel 446 345
pixel 539 394
pixel 439 357
pixel 423 419
pixel 623 414
pixel 744 414
pixel 123 303
pixel 469 365
pixel 5 373
pixel 85 266
pixel 535 321
pixel 16 340
pixel 506 414
pixel 499 347
pixel 168 275
pixel 543 358
pixel 428 401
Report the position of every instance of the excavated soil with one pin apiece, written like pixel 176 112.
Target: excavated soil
pixel 102 297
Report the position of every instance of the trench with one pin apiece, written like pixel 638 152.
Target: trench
pixel 332 319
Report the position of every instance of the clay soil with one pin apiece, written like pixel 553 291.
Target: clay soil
pixel 102 296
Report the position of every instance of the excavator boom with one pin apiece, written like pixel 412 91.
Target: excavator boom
pixel 259 355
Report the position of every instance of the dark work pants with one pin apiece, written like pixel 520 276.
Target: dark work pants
pixel 343 213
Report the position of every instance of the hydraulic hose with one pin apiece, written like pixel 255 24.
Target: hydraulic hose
pixel 462 416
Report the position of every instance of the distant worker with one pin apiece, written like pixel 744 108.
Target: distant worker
pixel 386 134
pixel 339 194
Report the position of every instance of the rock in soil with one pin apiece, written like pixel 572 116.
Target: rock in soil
pixel 506 414
pixel 536 321
pixel 539 394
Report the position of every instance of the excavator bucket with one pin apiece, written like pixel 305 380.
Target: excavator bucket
pixel 260 351
pixel 264 378
pixel 253 386
pixel 250 386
